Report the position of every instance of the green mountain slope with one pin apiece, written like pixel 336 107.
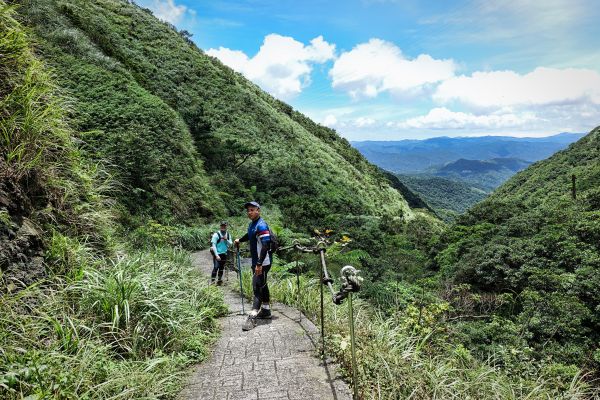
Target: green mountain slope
pixel 154 102
pixel 485 174
pixel 531 241
pixel 76 321
pixel 448 198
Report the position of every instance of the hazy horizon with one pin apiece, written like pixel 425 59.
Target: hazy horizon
pixel 469 137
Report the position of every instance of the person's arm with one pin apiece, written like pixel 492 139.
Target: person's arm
pixel 242 239
pixel 263 254
pixel 263 234
pixel 213 242
pixel 229 241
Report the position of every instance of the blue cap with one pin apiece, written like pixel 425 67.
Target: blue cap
pixel 252 204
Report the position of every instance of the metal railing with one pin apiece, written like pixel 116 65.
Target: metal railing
pixel 350 284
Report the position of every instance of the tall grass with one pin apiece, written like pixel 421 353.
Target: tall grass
pixel 100 326
pixel 32 129
pixel 38 158
pixel 127 330
pixel 402 358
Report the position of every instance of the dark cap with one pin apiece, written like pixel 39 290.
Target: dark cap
pixel 252 204
pixel 223 223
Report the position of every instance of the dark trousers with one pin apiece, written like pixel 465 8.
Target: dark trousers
pixel 218 266
pixel 260 287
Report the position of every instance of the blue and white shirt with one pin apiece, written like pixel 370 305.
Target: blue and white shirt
pixel 259 236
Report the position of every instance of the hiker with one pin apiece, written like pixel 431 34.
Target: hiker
pixel 259 237
pixel 220 243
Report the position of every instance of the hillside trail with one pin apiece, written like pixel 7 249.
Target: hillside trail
pixel 275 360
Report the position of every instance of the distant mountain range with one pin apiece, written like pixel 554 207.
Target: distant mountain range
pixel 418 156
pixel 484 174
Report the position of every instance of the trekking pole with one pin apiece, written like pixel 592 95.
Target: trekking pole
pixel 239 268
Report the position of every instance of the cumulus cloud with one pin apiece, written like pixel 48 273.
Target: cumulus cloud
pixel 541 87
pixel 443 118
pixel 330 120
pixel 378 66
pixel 282 66
pixel 346 122
pixel 168 11
pixel 362 122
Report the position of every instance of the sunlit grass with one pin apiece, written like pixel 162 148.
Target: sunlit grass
pixel 397 359
pixel 127 329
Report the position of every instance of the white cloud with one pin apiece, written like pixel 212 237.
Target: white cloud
pixel 282 66
pixel 346 122
pixel 362 122
pixel 541 87
pixel 168 11
pixel 442 118
pixel 330 120
pixel 378 66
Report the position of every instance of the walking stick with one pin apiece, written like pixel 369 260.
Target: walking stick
pixel 239 268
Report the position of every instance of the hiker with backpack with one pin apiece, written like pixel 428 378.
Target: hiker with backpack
pixel 259 236
pixel 220 243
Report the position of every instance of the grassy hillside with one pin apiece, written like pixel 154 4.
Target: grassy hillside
pixel 130 109
pixel 161 110
pixel 535 251
pixel 76 321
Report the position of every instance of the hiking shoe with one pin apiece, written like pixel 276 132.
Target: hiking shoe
pixel 219 283
pixel 264 314
pixel 249 324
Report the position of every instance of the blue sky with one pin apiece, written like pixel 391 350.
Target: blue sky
pixel 396 69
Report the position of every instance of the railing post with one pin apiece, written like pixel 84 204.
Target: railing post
pixel 352 347
pixel 322 308
pixel 298 287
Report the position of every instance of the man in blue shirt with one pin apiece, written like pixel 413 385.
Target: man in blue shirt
pixel 220 242
pixel 260 238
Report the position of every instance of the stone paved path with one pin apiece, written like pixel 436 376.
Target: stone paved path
pixel 275 360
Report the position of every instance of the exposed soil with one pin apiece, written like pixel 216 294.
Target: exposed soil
pixel 21 246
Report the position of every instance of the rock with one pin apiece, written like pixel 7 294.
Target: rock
pixel 28 228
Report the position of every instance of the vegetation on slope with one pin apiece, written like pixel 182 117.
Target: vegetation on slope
pixel 485 174
pixel 500 305
pixel 448 198
pixel 406 347
pixel 116 60
pixel 533 252
pixel 76 321
pixel 147 144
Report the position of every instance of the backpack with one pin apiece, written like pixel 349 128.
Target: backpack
pixel 227 237
pixel 274 242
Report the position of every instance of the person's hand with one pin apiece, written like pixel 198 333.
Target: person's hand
pixel 236 242
pixel 258 269
pixel 218 258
